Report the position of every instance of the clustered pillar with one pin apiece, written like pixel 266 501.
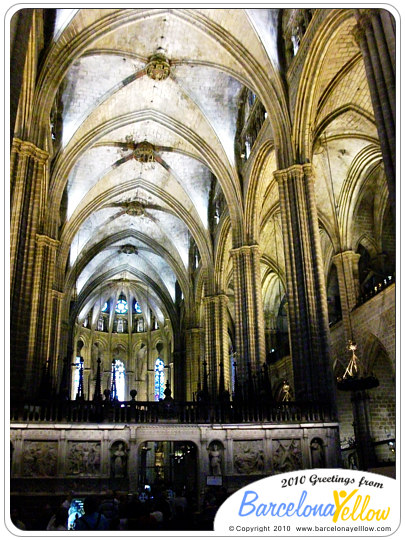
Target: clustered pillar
pixel 193 377
pixel 306 292
pixel 29 174
pixel 347 266
pixel 216 340
pixel 375 34
pixel 249 318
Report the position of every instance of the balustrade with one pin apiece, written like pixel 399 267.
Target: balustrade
pixel 144 412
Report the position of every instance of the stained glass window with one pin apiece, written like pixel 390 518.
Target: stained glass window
pixel 137 307
pixel 76 376
pixel 105 307
pixel 122 306
pixel 159 379
pixel 120 379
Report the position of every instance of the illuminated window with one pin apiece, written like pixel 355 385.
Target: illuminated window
pixel 76 376
pixel 137 307
pixel 119 379
pixel 105 307
pixel 159 379
pixel 122 306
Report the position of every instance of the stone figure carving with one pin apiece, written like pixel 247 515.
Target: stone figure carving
pixel 119 455
pixel 317 454
pixel 39 458
pixel 248 457
pixel 141 362
pixel 215 456
pixel 287 455
pixel 83 458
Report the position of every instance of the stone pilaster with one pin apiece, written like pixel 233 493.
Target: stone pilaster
pixel 306 291
pixel 216 340
pixel 249 318
pixel 42 310
pixel 192 361
pixel 347 266
pixel 28 192
pixel 54 340
pixel 375 35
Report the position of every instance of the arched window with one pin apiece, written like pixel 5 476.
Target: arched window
pixel 104 309
pixel 76 377
pixel 122 305
pixel 119 379
pixel 159 379
pixel 137 307
pixel 100 324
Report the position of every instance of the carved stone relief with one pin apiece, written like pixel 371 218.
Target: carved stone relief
pixel 39 458
pixel 83 458
pixel 248 457
pixel 287 455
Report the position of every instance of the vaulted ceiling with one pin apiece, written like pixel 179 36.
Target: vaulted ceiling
pixel 147 104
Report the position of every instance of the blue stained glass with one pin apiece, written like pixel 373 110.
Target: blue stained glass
pixel 137 307
pixel 105 307
pixel 159 379
pixel 122 306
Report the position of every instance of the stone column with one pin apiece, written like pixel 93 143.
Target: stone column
pixel 361 424
pixel 54 341
pixel 28 191
pixel 192 361
pixel 347 266
pixel 41 304
pixel 306 291
pixel 375 34
pixel 216 340
pixel 249 317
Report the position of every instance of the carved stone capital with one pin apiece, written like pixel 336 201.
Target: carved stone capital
pixel 29 149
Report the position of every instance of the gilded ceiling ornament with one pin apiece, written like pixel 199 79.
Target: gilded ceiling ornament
pixel 134 208
pixel 158 67
pixel 129 249
pixel 144 152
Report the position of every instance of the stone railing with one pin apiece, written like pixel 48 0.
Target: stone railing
pixel 169 411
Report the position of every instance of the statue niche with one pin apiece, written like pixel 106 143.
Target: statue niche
pixel 141 363
pixel 215 453
pixel 317 453
pixel 119 459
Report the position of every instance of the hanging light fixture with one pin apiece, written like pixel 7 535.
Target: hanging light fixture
pixel 355 376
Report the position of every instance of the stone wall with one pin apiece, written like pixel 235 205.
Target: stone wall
pixel 374 332
pixel 85 458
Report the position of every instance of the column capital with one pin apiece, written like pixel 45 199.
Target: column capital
pixel 44 240
pixel 243 250
pixel 348 254
pixel 194 330
pixel 214 299
pixel 29 149
pixel 294 171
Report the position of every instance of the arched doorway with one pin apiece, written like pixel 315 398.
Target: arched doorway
pixel 169 465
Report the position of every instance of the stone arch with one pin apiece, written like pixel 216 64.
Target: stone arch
pixel 255 192
pixel 382 401
pixel 306 106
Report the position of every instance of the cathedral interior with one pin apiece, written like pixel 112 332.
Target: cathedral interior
pixel 202 248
